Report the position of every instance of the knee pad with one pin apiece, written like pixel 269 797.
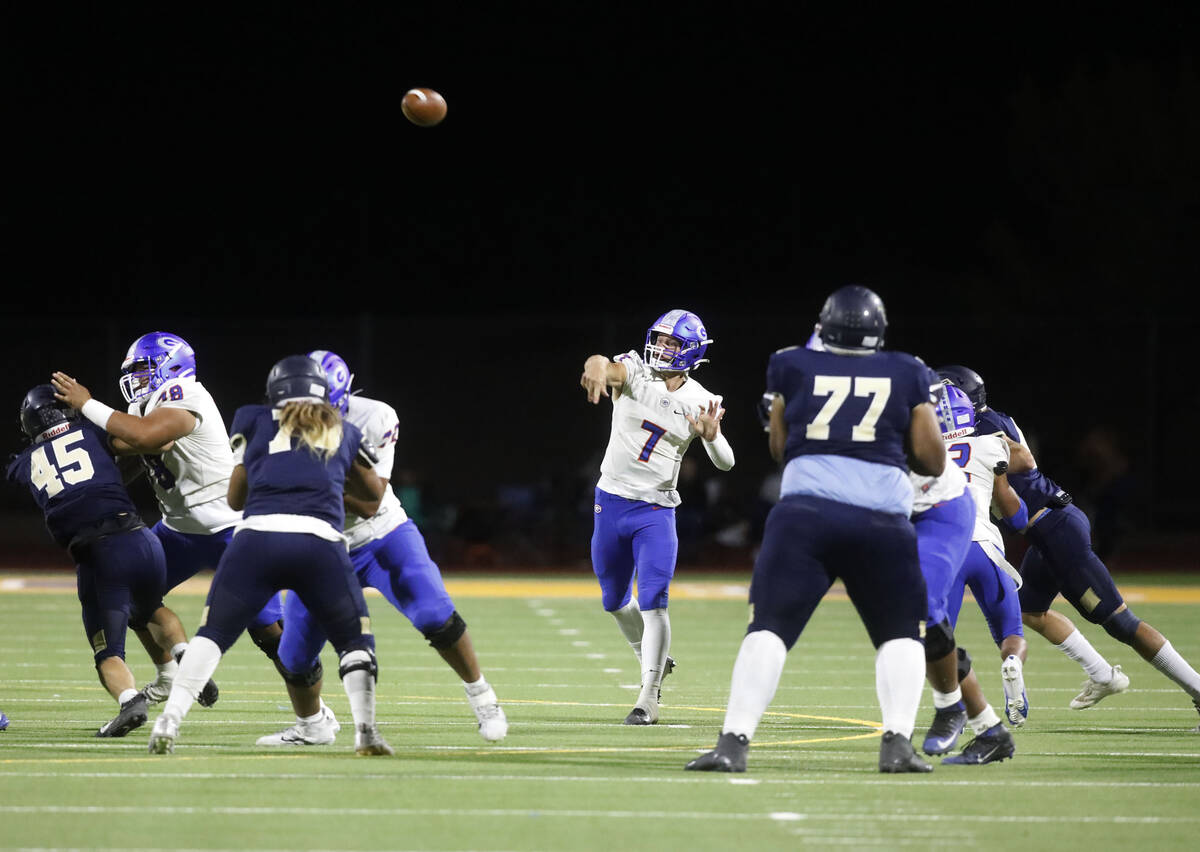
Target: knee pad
pixel 939 640
pixel 309 678
pixel 1121 625
pixel 964 664
pixel 358 659
pixel 450 632
pixel 266 643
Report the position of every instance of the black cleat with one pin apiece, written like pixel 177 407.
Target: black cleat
pixel 640 716
pixel 728 756
pixel 133 715
pixel 948 723
pixel 209 694
pixel 896 755
pixel 993 745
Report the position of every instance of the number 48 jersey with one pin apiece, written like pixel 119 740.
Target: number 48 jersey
pixel 191 480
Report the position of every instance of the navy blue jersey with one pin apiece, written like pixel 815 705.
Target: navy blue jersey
pixel 854 406
pixel 284 476
pixel 1034 487
pixel 74 480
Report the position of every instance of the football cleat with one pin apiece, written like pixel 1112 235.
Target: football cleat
pixel 3 721
pixel 668 667
pixel 369 742
pixel 1016 703
pixel 948 723
pixel 1094 691
pixel 133 715
pixel 163 735
pixel 156 692
pixel 728 756
pixel 993 745
pixel 896 755
pixel 1195 730
pixel 321 732
pixel 493 724
pixel 642 716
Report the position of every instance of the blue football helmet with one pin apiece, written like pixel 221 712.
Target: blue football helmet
pixel 296 378
pixel 968 381
pixel 853 321
pixel 41 413
pixel 956 414
pixel 685 327
pixel 338 375
pixel 152 361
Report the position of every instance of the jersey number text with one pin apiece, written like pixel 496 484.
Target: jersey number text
pixel 72 465
pixel 837 388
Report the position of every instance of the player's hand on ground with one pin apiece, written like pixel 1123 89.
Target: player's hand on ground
pixel 708 424
pixel 69 391
pixel 595 379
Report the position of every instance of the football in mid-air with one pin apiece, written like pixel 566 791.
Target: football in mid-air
pixel 423 107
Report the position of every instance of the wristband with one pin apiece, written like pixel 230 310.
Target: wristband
pixel 97 412
pixel 1020 518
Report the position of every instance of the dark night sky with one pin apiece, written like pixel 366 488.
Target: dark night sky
pixel 1020 186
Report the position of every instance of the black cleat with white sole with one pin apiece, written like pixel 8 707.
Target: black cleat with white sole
pixel 133 715
pixel 728 756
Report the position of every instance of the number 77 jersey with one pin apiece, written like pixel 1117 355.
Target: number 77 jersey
pixel 856 406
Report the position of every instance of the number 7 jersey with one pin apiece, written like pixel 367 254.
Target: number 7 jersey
pixel 650 433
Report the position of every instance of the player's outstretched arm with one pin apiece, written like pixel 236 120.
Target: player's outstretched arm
pixel 926 451
pixel 777 430
pixel 154 433
pixel 708 426
pixel 1020 457
pixel 364 487
pixel 600 374
pixel 239 487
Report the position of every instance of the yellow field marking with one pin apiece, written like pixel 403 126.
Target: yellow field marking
pixel 558 587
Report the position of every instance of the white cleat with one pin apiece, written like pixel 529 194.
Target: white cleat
pixel 1093 690
pixel 493 724
pixel 163 735
pixel 156 692
pixel 368 742
pixel 321 732
pixel 1016 703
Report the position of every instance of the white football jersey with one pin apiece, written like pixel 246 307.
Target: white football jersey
pixel 649 434
pixel 928 491
pixel 379 425
pixel 191 480
pixel 978 456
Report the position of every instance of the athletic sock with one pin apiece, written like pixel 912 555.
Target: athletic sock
pixel 1078 648
pixel 477 688
pixel 942 700
pixel 656 641
pixel 167 670
pixel 197 667
pixel 178 649
pixel 360 689
pixel 756 673
pixel 986 720
pixel 126 695
pixel 1169 662
pixel 629 619
pixel 899 681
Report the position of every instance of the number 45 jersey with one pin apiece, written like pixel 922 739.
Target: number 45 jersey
pixel 191 480
pixel 650 433
pixel 73 479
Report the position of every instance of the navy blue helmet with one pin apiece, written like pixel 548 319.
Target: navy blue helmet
pixel 41 412
pixel 967 381
pixel 853 319
pixel 297 378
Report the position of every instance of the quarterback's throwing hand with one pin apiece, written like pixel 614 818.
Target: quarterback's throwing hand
pixel 708 424
pixel 69 391
pixel 594 379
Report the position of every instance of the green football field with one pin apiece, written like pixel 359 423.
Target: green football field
pixel 1123 775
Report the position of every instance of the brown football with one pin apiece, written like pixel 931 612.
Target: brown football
pixel 423 107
